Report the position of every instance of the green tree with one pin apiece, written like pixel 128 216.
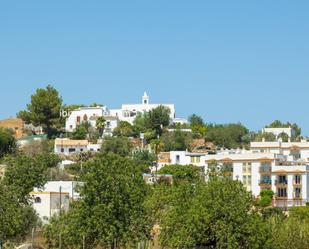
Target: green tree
pixel 266 196
pixel 153 121
pixel 16 219
pixel 159 117
pixel 289 233
pixel 81 131
pixel 7 142
pixel 176 140
pixel 100 125
pixel 111 211
pixel 144 156
pixel 182 173
pixel 228 135
pixel 258 137
pixel 216 214
pixel 301 213
pixel 124 129
pixel 72 107
pixel 23 173
pixel 36 147
pixel 197 125
pixel 117 145
pixel 195 120
pixel 284 137
pixel 279 124
pixel 44 110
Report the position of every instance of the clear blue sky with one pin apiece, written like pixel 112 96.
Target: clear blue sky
pixel 229 61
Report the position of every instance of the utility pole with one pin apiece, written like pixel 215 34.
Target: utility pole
pixel 60 241
pixel 32 238
pixel 60 201
pixel 84 244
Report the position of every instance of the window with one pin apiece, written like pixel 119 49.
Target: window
pixel 177 159
pixel 295 153
pixel 244 180
pixel 78 119
pixel 71 150
pixel 195 159
pixel 282 179
pixel 62 150
pixel 249 168
pixel 297 179
pixel 297 192
pixel 281 192
pixel 37 200
pixel 71 126
pixel 265 167
pixel 85 118
pixel 81 149
pixel 246 172
pixel 244 167
pixel 265 179
pixel 249 180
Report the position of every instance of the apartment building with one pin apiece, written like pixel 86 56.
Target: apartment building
pixel 280 167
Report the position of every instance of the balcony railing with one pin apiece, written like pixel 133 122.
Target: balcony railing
pixel 297 196
pixel 265 182
pixel 284 182
pixel 265 170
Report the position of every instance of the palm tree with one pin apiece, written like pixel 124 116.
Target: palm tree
pixel 100 125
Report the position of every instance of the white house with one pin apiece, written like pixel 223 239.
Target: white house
pixel 70 187
pixel 181 158
pixel 111 123
pixel 47 203
pixel 84 114
pixel 128 112
pixel 68 146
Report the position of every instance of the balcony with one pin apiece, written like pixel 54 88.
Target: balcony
pixel 297 196
pixel 265 182
pixel 283 183
pixel 265 170
pixel 297 183
pixel 281 197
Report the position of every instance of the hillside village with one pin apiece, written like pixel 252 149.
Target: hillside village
pixel 62 160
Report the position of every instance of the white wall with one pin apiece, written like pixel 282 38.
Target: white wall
pixel 66 186
pixel 94 147
pixel 78 149
pixel 71 121
pixel 42 208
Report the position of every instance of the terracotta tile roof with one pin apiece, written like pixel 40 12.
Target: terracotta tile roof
pixel 70 142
